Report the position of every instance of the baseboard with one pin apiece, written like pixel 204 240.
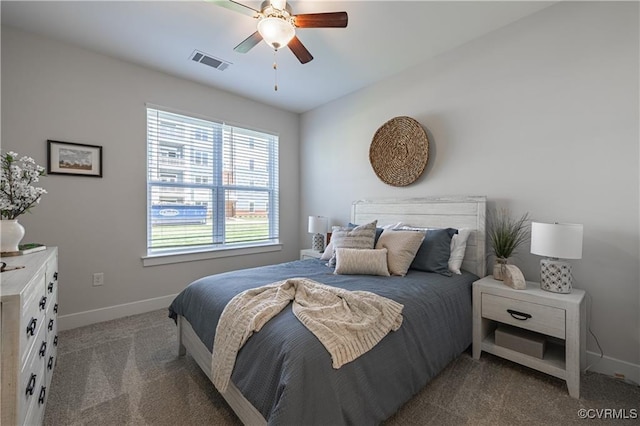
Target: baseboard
pixel 79 319
pixel 623 370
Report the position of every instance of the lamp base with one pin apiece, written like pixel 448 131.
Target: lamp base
pixel 318 242
pixel 555 276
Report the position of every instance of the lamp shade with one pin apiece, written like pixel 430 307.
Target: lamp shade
pixel 317 224
pixel 559 240
pixel 276 32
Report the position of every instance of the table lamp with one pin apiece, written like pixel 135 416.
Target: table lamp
pixel 318 227
pixel 556 241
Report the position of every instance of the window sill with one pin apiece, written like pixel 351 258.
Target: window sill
pixel 179 257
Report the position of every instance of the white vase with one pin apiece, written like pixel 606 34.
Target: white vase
pixel 11 233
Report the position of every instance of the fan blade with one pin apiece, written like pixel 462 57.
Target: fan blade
pixel 299 50
pixel 322 20
pixel 248 43
pixel 237 7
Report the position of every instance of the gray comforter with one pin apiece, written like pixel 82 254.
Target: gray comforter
pixel 286 373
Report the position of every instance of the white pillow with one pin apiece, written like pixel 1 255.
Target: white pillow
pixel 458 247
pixel 402 247
pixel 351 261
pixel 328 252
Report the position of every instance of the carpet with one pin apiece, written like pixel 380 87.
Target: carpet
pixel 127 372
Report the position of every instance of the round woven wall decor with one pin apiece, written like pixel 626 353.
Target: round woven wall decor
pixel 399 151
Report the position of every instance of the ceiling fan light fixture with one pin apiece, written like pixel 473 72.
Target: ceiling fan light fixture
pixel 276 32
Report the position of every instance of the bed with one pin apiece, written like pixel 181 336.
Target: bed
pixel 283 375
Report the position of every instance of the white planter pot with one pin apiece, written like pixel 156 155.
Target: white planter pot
pixel 499 269
pixel 11 233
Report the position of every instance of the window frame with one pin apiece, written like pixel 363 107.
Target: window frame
pixel 216 184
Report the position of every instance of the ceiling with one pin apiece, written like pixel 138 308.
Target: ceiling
pixel 382 39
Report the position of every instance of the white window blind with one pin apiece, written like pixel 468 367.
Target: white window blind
pixel 209 185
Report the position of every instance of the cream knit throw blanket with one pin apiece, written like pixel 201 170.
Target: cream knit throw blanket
pixel 348 323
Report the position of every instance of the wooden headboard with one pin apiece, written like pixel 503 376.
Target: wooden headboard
pixel 434 212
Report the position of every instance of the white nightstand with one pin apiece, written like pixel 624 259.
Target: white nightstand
pixel 310 254
pixel 560 317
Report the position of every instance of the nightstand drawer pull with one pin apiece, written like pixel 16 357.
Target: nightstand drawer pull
pixel 520 316
pixel 50 363
pixel 50 327
pixel 43 349
pixel 43 303
pixel 50 287
pixel 55 308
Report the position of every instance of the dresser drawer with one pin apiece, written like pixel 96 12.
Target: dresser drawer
pixel 52 348
pixel 35 415
pixel 52 358
pixel 32 379
pixel 32 333
pixel 531 316
pixel 51 277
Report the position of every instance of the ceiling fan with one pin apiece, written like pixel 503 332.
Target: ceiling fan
pixel 277 24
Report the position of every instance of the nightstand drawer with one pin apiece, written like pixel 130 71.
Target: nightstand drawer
pixel 531 316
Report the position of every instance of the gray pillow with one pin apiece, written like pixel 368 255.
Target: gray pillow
pixel 360 237
pixel 433 254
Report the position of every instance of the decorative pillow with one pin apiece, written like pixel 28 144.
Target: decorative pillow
pixel 434 252
pixel 351 261
pixel 328 251
pixel 402 247
pixel 360 237
pixel 458 247
pixel 380 229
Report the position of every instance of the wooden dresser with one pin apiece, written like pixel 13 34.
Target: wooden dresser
pixel 28 315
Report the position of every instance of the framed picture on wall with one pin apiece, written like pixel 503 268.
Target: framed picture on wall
pixel 67 158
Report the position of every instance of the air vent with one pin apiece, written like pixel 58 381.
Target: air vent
pixel 209 60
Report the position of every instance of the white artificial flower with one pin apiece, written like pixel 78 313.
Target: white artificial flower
pixel 17 191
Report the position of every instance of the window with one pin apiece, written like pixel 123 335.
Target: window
pixel 200 158
pixel 204 187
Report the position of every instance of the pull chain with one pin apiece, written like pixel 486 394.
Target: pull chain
pixel 275 70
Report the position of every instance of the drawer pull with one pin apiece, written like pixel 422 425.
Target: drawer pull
pixel 31 328
pixel 55 341
pixel 43 349
pixel 31 385
pixel 55 308
pixel 50 327
pixel 520 316
pixel 50 287
pixel 43 393
pixel 43 302
pixel 55 276
pixel 50 363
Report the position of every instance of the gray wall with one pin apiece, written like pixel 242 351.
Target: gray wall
pixel 55 91
pixel 541 117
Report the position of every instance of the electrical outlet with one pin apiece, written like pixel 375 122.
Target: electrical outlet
pixel 98 279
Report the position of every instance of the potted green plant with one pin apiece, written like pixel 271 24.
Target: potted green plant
pixel 505 236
